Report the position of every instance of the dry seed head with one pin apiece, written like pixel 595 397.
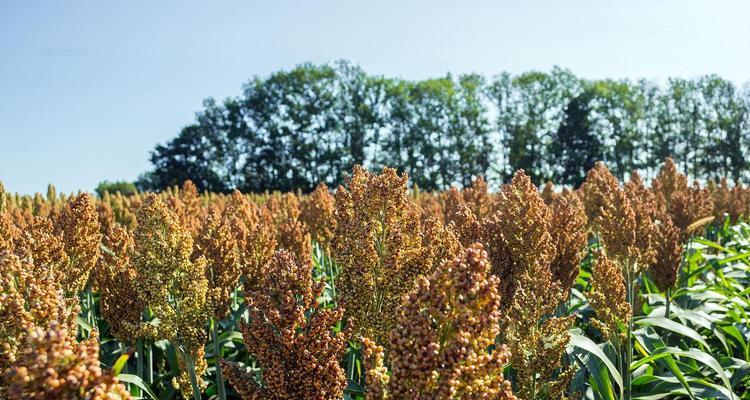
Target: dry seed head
pixel 690 205
pixel 299 353
pixel 643 203
pixel 291 232
pixel 218 245
pixel 253 229
pixel 53 366
pixel 79 228
pixel 668 253
pixel 569 233
pixel 119 302
pixel 381 248
pixel 319 214
pixel 667 182
pixel 608 298
pixel 443 330
pixel 517 234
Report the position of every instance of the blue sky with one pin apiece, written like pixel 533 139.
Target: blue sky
pixel 87 88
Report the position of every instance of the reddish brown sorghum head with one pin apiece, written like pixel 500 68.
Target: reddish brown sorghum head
pixel 610 214
pixel 380 247
pixel 667 182
pixel 119 301
pixel 643 203
pixel 376 374
pixel 53 366
pixel 668 253
pixel 548 193
pixel 218 245
pixel 570 235
pixel 319 214
pixel 443 330
pixel 291 232
pixel 608 298
pixel 517 234
pixel 78 227
pixel 39 246
pixel 253 229
pixel 188 206
pixel 299 353
pixel 689 206
pixel 461 219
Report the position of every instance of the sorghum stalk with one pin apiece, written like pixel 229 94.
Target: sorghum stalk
pixel 217 355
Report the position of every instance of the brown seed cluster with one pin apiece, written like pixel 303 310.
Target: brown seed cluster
pixel 78 226
pixel 690 206
pixel 381 247
pixel 54 366
pixel 608 298
pixel 570 234
pixel 291 231
pixel 218 245
pixel 319 214
pixel 299 353
pixel 119 302
pixel 439 345
pixel 253 229
pixel 668 254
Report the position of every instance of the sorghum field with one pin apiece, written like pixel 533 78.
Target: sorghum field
pixel 375 290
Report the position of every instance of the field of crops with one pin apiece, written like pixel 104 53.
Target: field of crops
pixel 375 290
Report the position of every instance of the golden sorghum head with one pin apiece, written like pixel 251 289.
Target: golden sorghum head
pixel 78 226
pixel 291 337
pixel 53 366
pixel 478 198
pixel 380 247
pixel 643 203
pixel 690 205
pixel 608 298
pixel 517 234
pixel 218 245
pixel 536 338
pixel 187 204
pixel 319 214
pixel 461 219
pixel 548 193
pixel 667 182
pixel 8 232
pixel 119 302
pixel 569 233
pixel 176 287
pixel 39 245
pixel 443 330
pixel 253 229
pixel 291 232
pixel 376 374
pixel 668 253
pixel 610 213
pixel 106 214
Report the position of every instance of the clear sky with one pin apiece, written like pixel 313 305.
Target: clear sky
pixel 87 88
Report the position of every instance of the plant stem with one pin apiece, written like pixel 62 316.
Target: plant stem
pixel 668 298
pixel 150 364
pixel 329 261
pixel 629 344
pixel 217 356
pixel 139 361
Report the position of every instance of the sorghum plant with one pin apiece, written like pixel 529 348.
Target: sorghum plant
pixel 381 248
pixel 442 345
pixel 54 366
pixel 291 336
pixel 319 214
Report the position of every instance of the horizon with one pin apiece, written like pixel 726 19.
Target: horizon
pixel 89 89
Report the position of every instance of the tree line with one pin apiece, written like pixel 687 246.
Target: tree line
pixel 311 124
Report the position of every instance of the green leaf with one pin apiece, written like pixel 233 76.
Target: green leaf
pixel 586 344
pixel 673 326
pixel 136 380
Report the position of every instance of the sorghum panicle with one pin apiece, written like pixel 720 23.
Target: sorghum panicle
pixel 667 182
pixel 643 203
pixel 291 231
pixel 319 214
pixel 299 354
pixel 443 330
pixel 690 205
pixel 570 235
pixel 78 226
pixel 668 253
pixel 381 248
pixel 53 366
pixel 608 299
pixel 253 228
pixel 218 245
pixel 517 235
